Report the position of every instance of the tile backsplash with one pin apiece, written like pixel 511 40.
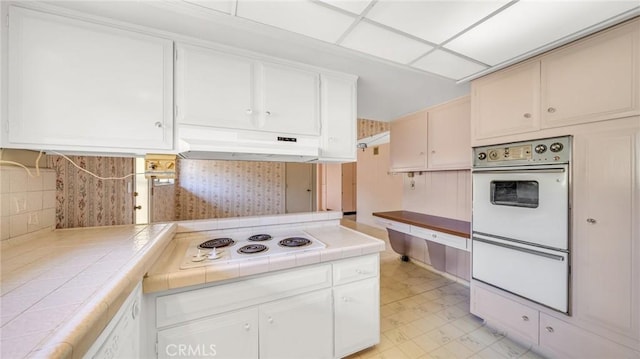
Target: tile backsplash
pixel 28 204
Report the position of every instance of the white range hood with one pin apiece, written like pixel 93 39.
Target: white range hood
pixel 196 142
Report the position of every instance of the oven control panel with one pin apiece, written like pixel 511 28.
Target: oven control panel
pixel 542 151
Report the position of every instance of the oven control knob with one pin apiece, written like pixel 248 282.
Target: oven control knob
pixel 541 148
pixel 493 155
pixel 556 147
pixel 482 156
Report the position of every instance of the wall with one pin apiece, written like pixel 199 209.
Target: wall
pixel 367 128
pixel 163 203
pixel 218 189
pixel 378 191
pixel 85 201
pixel 439 193
pixel 333 180
pixel 27 203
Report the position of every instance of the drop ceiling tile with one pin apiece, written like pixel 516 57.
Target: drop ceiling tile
pixel 354 6
pixel 225 6
pixel 303 17
pixel 448 65
pixel 434 21
pixel 528 25
pixel 380 42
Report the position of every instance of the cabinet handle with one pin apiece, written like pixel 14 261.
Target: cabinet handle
pixel 591 220
pixel 158 124
pixel 525 318
pixel 549 329
pixel 268 113
pixel 270 320
pixel 249 111
pixel 551 110
pixel 527 115
pixel 247 326
pixel 345 299
pixel 434 235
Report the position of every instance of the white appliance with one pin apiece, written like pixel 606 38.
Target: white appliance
pixel 206 248
pixel 198 142
pixel 520 223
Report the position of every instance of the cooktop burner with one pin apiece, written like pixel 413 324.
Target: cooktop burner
pixel 252 248
pixel 295 242
pixel 216 243
pixel 260 237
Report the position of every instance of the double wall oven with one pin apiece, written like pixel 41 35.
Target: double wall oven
pixel 521 219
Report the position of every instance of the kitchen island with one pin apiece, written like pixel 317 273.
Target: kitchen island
pixel 86 274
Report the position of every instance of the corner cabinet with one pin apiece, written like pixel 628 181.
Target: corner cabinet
pixel 78 85
pixel 593 79
pixel 216 89
pixel 339 119
pixel 448 135
pixel 408 147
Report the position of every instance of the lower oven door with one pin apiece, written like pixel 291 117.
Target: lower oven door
pixel 534 273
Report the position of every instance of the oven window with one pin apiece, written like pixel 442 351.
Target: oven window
pixel 515 193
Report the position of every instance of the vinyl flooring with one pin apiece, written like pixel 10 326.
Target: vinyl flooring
pixel 425 315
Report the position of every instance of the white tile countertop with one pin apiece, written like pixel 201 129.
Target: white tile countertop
pixel 59 289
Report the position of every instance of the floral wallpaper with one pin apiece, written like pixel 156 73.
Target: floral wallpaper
pixel 164 199
pixel 84 201
pixel 218 189
pixel 368 128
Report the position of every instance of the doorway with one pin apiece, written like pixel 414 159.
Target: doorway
pixel 300 187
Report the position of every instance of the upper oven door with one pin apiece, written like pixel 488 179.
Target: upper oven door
pixel 528 204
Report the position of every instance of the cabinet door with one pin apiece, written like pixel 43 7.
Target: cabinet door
pixel 298 327
pixel 232 335
pixel 567 341
pixel 449 135
pixel 338 112
pixel 606 232
pixel 592 80
pixel 409 142
pixel 506 102
pixel 82 86
pixel 289 101
pixel 214 89
pixel 357 316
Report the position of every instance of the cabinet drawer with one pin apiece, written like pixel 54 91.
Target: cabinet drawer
pixel 567 341
pixel 507 314
pixel 351 270
pixel 439 237
pixel 396 226
pixel 199 303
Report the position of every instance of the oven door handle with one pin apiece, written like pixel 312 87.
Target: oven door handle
pixel 525 250
pixel 533 170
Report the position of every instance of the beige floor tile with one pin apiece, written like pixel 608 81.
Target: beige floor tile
pixel 426 343
pixel 429 322
pixel 445 334
pixel 467 323
pixel 509 348
pixel 488 353
pixel 531 355
pixel 392 353
pixel 411 349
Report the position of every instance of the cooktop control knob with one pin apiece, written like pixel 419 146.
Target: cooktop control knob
pixel 556 147
pixel 493 155
pixel 482 156
pixel 540 148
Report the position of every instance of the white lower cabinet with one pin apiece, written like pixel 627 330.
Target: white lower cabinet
pixel 326 310
pixel 297 327
pixel 357 319
pixel 229 335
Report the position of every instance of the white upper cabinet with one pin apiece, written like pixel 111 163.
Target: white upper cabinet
pixel 408 145
pixel 593 80
pixel 338 112
pixel 289 100
pixel 506 102
pixel 216 89
pixel 82 86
